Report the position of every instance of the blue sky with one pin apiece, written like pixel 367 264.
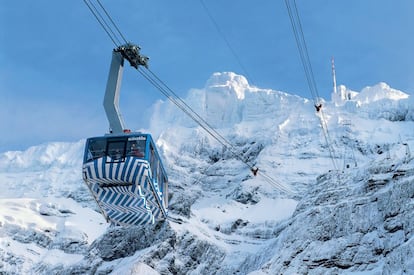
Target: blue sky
pixel 55 57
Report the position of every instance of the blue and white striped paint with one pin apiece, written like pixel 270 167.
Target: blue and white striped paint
pixel 124 190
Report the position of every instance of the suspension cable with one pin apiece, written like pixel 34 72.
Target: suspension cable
pixel 304 56
pixel 221 33
pixel 328 139
pixel 112 21
pixel 106 24
pixel 312 77
pixel 102 22
pixel 303 52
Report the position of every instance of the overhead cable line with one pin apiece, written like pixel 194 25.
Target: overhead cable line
pixel 112 21
pixel 303 51
pixel 92 8
pixel 223 36
pixel 173 97
pixel 98 16
pixel 304 56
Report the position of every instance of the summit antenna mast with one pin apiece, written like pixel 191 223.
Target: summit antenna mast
pixel 334 75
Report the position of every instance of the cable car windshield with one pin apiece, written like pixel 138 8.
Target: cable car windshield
pixel 116 149
pixel 136 147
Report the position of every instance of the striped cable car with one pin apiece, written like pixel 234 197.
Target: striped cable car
pixel 126 177
pixel 123 169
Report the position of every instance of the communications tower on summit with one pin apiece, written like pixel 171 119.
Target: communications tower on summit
pixel 333 75
pixel 338 97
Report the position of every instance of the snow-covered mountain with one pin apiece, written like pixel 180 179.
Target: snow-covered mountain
pixel 343 208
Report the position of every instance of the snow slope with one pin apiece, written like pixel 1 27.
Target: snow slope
pixel 352 213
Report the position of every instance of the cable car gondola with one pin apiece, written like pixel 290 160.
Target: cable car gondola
pixel 123 169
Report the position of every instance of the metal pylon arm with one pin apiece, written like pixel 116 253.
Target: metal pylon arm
pixel 131 53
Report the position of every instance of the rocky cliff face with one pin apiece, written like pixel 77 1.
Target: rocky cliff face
pixel 345 223
pixel 352 223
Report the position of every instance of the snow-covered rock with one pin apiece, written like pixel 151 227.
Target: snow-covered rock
pixel 359 222
pixel 314 208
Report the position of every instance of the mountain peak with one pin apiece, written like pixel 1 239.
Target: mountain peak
pixel 378 92
pixel 228 81
pixel 369 94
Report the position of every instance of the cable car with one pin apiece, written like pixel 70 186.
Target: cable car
pixel 123 169
pixel 126 177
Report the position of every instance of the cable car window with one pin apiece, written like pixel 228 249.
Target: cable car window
pixel 153 162
pixel 136 148
pixel 116 150
pixel 96 149
pixel 159 174
pixel 161 181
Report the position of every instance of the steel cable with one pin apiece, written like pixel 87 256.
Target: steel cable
pixel 304 56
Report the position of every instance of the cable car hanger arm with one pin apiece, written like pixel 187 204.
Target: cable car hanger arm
pixel 131 53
